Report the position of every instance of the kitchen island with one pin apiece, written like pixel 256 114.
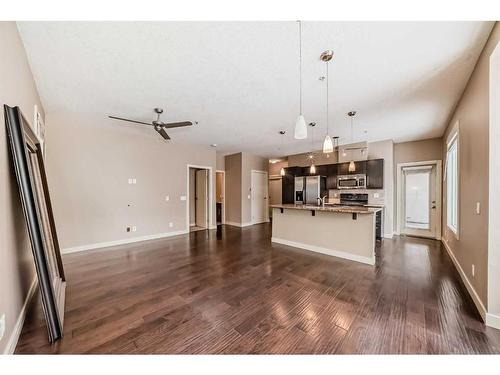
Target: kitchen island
pixel 343 231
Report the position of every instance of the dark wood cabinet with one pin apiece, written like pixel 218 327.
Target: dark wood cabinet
pixel 375 174
pixel 374 170
pixel 360 168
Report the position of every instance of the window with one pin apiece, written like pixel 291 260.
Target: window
pixel 452 185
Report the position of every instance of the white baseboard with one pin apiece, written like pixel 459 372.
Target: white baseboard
pixel 388 235
pixel 468 285
pixel 235 224
pixel 126 241
pixel 493 320
pixel 324 250
pixel 16 333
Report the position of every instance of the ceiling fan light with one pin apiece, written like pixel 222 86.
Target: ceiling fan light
pixel 352 166
pixel 300 128
pixel 327 145
pixel 312 170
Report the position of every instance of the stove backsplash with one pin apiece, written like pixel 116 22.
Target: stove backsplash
pixel 374 196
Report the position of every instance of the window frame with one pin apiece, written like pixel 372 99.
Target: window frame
pixel 454 141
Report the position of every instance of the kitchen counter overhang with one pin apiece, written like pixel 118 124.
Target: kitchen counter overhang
pixel 342 231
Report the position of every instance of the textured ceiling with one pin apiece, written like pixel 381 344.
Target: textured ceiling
pixel 240 80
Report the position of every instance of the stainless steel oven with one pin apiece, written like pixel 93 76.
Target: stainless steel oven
pixel 351 181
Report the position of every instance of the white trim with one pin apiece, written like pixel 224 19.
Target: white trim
pixel 18 327
pixel 493 320
pixel 324 250
pixel 223 194
pixel 252 221
pixel 468 285
pixel 388 235
pixel 211 193
pixel 235 224
pixel 439 193
pixel 452 137
pixel 126 241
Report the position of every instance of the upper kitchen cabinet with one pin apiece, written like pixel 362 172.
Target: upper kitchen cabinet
pixel 375 174
pixel 331 176
pixel 343 168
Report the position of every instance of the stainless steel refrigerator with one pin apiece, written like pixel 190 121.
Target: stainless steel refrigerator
pixel 315 188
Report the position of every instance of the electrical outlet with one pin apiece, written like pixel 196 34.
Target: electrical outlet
pixel 128 229
pixel 473 271
pixel 376 195
pixel 2 326
pixel 171 224
pixel 134 228
pixel 478 208
pixel 183 198
pixel 167 198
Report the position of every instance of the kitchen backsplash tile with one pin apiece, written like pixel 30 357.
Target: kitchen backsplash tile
pixel 374 196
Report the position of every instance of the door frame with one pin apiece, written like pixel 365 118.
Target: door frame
pixel 252 221
pixel 223 193
pixel 400 195
pixel 210 193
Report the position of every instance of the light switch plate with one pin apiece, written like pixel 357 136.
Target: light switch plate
pixel 478 208
pixel 134 181
pixel 376 195
pixel 183 198
pixel 248 196
pixel 473 270
pixel 130 181
pixel 171 225
pixel 167 198
pixel 134 228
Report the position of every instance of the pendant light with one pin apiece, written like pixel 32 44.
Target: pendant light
pixel 352 165
pixel 300 124
pixel 327 143
pixel 282 170
pixel 312 169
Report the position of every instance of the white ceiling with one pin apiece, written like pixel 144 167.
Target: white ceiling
pixel 240 80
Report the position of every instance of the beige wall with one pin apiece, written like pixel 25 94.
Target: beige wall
pixel 275 168
pixel 220 161
pixel 89 163
pixel 472 112
pixel 17 88
pixel 407 152
pixel 233 188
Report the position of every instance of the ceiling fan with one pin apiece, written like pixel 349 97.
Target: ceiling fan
pixel 158 125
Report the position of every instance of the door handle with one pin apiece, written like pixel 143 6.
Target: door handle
pixel 433 207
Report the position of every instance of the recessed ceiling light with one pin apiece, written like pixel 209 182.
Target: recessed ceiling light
pixel 214 145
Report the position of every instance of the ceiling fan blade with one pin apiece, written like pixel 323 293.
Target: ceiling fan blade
pixel 163 133
pixel 126 119
pixel 171 125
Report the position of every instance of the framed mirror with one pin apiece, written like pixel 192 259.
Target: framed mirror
pixel 26 150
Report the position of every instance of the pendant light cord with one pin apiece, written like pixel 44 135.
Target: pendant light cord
pixel 300 65
pixel 327 99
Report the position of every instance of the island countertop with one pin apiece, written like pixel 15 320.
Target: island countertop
pixel 326 208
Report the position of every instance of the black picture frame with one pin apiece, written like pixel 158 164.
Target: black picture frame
pixel 24 143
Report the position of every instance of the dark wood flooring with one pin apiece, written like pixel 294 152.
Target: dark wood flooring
pixel 232 291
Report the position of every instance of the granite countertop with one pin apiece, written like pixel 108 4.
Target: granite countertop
pixel 341 209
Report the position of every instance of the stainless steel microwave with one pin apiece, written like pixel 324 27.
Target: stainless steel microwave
pixel 351 181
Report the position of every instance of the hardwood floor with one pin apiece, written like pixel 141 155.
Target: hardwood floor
pixel 232 291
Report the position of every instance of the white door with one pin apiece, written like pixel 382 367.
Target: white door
pixel 259 197
pixel 201 198
pixel 419 216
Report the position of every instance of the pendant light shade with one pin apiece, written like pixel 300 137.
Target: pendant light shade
pixel 327 145
pixel 300 128
pixel 282 171
pixel 312 170
pixel 352 166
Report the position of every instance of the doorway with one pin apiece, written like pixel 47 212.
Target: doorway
pixel 419 199
pixel 198 198
pixel 220 186
pixel 259 190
